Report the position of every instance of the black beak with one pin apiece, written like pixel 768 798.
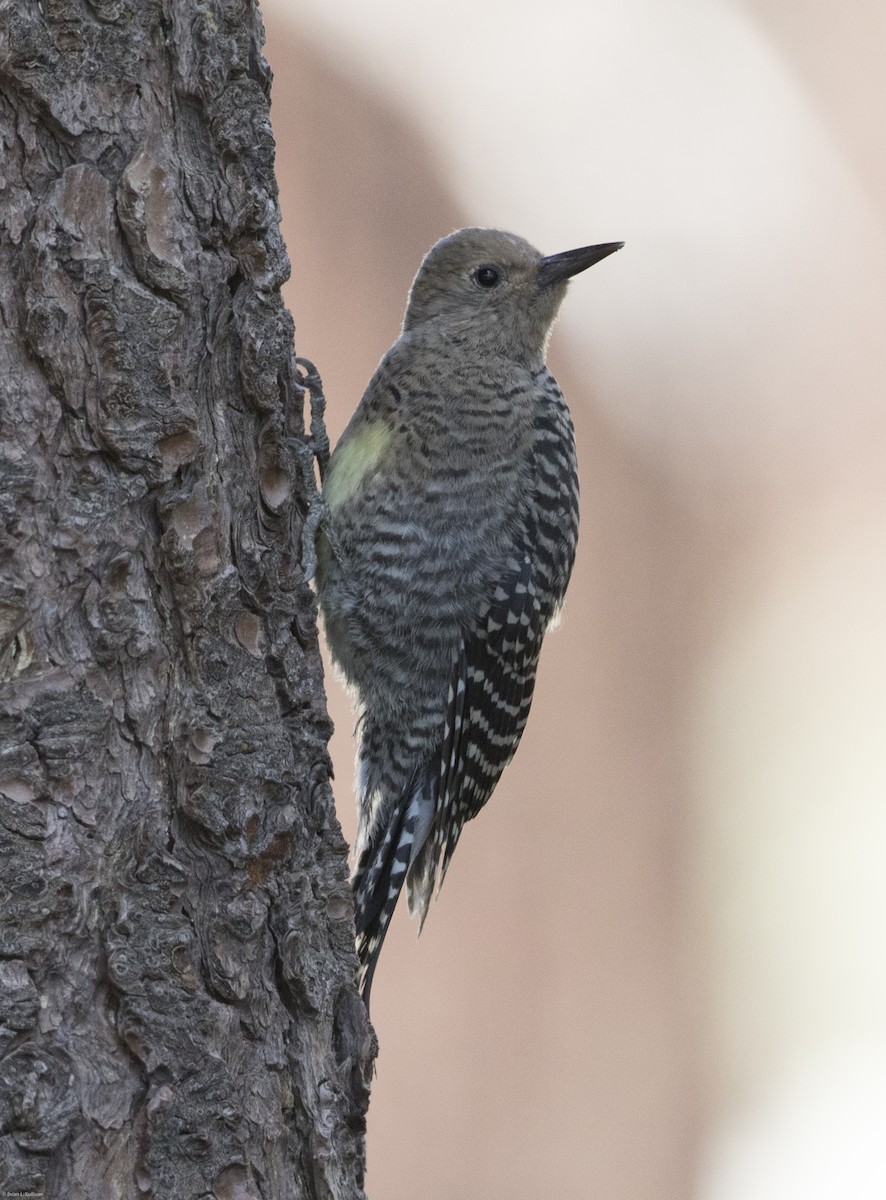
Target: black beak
pixel 557 267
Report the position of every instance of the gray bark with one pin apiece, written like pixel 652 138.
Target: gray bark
pixel 177 1011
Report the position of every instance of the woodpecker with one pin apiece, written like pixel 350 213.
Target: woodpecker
pixel 447 541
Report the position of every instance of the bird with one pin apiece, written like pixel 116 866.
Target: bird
pixel 448 535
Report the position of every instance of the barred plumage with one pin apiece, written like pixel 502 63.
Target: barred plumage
pixel 447 544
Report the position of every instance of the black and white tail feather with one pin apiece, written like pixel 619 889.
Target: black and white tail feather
pixel 490 692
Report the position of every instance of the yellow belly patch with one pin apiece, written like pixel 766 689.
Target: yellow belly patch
pixel 353 461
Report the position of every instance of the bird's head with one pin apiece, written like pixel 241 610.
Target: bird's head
pixel 494 287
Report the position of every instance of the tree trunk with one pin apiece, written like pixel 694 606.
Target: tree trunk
pixel 177 1010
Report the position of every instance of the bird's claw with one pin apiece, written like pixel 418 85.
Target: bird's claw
pixel 314 448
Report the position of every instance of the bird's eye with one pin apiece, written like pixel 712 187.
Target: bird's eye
pixel 487 277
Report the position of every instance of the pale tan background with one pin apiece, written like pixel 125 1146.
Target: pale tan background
pixel 657 969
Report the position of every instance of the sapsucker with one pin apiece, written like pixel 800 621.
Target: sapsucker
pixel 451 517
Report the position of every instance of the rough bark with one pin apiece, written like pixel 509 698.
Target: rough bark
pixel 177 1011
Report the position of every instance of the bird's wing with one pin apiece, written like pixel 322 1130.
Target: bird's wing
pixel 497 672
pixel 490 692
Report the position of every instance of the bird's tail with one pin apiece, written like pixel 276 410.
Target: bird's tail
pixel 381 869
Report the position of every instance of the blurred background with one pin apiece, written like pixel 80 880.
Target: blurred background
pixel 658 968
